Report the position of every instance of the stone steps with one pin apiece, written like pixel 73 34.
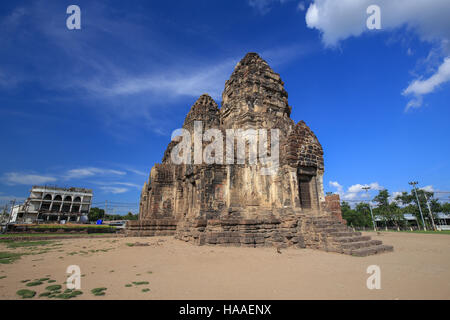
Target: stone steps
pixel 366 251
pixel 330 234
pixel 351 239
pixel 360 244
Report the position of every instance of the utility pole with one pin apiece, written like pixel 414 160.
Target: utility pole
pixel 4 212
pixel 429 211
pixel 370 207
pixel 106 207
pixel 13 203
pixel 414 183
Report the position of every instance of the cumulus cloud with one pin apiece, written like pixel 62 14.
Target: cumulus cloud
pixel 335 184
pixel 14 178
pixel 339 20
pixel 428 188
pixel 356 191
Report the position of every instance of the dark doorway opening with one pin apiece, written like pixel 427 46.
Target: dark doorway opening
pixel 304 184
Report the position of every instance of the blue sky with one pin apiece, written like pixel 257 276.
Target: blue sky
pixel 96 107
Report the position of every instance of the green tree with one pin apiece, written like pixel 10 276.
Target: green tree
pixel 445 207
pixel 409 201
pixel 388 211
pixel 358 217
pixel 130 216
pixel 95 214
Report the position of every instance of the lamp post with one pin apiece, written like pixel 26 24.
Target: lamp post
pixel 370 207
pixel 414 183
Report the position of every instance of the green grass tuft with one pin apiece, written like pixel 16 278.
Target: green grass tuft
pixel 9 257
pixel 26 294
pixel 54 287
pixel 34 283
pixel 98 291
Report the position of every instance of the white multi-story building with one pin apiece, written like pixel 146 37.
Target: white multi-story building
pixel 53 204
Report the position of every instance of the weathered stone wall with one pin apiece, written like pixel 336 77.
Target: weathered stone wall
pixel 333 203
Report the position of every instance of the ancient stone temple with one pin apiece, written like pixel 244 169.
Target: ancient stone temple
pixel 237 203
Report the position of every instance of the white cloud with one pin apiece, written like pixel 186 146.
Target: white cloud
pixel 13 178
pixel 418 88
pixel 428 188
pixel 114 190
pixel 339 20
pixel 138 172
pixel 91 171
pixel 264 6
pixel 301 6
pixel 336 185
pixel 356 191
pixel 5 198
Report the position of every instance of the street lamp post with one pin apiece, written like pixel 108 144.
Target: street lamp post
pixel 370 207
pixel 414 183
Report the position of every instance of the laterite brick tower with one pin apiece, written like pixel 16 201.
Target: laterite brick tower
pixel 236 205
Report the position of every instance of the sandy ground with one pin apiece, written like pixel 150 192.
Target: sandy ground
pixel 419 268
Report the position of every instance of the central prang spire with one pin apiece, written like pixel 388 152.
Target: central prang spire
pixel 254 93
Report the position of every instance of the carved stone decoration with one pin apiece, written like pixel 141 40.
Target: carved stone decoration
pixel 234 204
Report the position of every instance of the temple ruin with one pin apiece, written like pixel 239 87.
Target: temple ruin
pixel 236 205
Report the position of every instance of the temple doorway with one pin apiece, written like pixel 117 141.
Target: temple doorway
pixel 304 185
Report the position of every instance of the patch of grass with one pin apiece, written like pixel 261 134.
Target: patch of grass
pixel 128 285
pixel 26 294
pixel 130 244
pixel 45 294
pixel 9 257
pixel 34 283
pixel 98 291
pixel 44 279
pixel 146 290
pixel 23 281
pixel 34 235
pixel 415 231
pixel 139 283
pixel 2 277
pixel 54 287
pixel 25 244
pixel 149 272
pixel 51 281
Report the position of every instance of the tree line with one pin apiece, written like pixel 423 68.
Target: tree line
pixel 392 213
pixel 97 213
